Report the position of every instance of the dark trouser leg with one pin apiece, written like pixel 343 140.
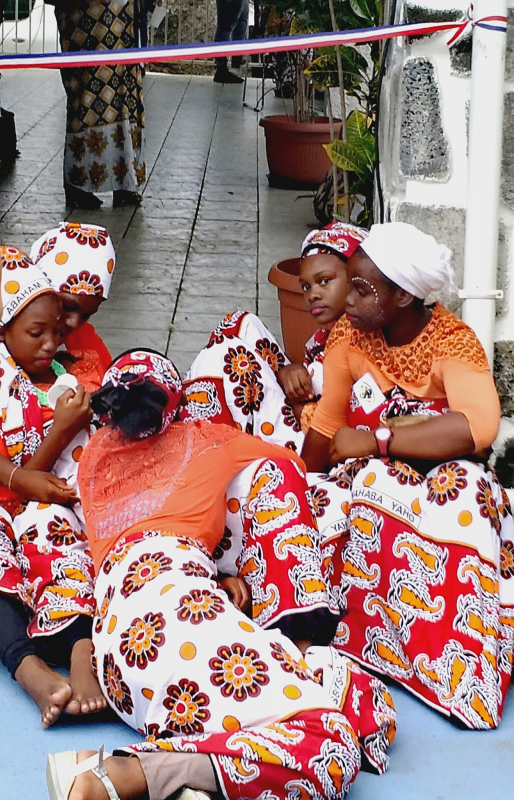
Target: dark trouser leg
pixel 228 13
pixel 57 649
pixel 240 31
pixel 14 642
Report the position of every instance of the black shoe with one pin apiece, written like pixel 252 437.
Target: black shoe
pixel 78 198
pixel 224 75
pixel 123 198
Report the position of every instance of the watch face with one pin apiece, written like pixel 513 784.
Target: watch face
pixel 383 434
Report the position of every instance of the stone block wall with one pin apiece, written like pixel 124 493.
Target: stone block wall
pixel 423 153
pixel 187 21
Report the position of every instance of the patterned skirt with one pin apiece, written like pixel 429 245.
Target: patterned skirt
pixel 105 115
pixel 424 569
pixel 45 562
pixel 176 659
pixel 234 380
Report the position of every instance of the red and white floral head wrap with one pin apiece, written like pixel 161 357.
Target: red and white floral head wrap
pixel 135 368
pixel 338 238
pixel 20 283
pixel 77 258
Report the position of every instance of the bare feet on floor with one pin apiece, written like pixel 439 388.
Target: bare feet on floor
pixel 86 697
pixel 47 688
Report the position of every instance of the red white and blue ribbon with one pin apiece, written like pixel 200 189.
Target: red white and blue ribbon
pixel 465 28
pixel 204 50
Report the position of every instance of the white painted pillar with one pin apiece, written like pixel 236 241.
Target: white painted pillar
pixel 484 169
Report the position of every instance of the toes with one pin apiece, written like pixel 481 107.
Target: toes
pixel 74 707
pixel 50 715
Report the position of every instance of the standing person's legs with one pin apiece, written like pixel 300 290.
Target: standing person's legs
pixel 228 13
pixel 240 31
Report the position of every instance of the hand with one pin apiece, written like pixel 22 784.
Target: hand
pixel 73 412
pixel 42 487
pixel 296 383
pixel 351 443
pixel 237 591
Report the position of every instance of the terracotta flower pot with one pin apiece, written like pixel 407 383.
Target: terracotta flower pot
pixel 297 323
pixel 294 149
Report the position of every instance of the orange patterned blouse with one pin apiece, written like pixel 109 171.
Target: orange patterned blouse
pixel 445 361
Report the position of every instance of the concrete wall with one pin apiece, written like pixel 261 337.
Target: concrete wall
pixel 423 153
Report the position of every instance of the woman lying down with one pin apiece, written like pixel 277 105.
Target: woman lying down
pixel 225 705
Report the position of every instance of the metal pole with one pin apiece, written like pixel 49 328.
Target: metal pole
pixel 484 168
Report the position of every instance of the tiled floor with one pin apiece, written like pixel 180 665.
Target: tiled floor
pixel 201 245
pixel 209 228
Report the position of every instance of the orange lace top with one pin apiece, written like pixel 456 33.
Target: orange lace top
pixel 446 361
pixel 174 482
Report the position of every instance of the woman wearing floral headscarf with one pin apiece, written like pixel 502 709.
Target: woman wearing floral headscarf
pixel 46 572
pixel 78 260
pixel 176 659
pixel 243 378
pixel 424 568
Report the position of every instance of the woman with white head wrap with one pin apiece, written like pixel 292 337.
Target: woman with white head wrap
pixel 78 260
pixel 422 509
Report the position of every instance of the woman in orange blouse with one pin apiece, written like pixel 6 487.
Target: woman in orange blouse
pixel 425 563
pixel 175 658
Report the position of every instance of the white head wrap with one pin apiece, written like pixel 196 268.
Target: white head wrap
pixel 76 258
pixel 408 257
pixel 20 283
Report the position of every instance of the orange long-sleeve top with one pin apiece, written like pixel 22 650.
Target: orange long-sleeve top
pixel 86 338
pixel 445 361
pixel 119 479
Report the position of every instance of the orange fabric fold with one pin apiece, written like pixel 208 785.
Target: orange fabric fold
pixel 86 338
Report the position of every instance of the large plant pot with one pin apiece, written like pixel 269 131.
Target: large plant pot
pixel 295 149
pixel 297 323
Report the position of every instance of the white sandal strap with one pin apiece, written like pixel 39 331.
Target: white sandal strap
pixel 99 771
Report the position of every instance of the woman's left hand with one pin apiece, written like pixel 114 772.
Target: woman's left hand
pixel 351 443
pixel 237 591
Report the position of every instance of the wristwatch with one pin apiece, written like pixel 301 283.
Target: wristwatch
pixel 383 435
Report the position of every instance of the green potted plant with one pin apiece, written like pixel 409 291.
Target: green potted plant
pixel 294 142
pixel 347 190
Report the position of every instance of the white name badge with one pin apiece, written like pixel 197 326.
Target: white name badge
pixel 368 394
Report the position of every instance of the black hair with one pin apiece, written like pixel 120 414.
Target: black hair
pixel 136 410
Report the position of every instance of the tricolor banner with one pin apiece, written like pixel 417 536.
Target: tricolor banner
pixel 204 50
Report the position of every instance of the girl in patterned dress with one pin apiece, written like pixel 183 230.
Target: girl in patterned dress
pixel 177 660
pixel 79 259
pixel 46 571
pixel 243 378
pixel 420 530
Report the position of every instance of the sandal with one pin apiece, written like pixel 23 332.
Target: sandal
pixel 63 768
pixel 78 198
pixel 121 198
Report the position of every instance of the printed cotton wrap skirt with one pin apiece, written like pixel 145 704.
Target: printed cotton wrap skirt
pixel 104 148
pixel 423 568
pixel 175 658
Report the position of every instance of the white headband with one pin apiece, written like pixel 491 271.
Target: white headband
pixel 410 258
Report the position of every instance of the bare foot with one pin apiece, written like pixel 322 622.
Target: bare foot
pixel 86 696
pixel 47 688
pixel 126 774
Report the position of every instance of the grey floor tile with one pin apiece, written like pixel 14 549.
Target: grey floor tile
pixel 188 320
pixel 141 319
pixel 120 339
pixel 241 289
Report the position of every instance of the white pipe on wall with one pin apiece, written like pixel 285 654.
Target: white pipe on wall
pixel 484 171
